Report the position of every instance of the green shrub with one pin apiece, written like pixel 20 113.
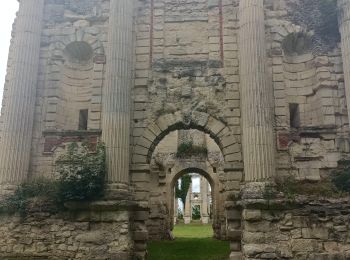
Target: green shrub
pixel 81 178
pixel 341 178
pixel 196 212
pixel 81 173
pixel 180 214
pixel 40 188
pixel 188 149
pixel 291 187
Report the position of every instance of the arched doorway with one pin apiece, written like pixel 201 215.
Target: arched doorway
pixel 183 152
pixel 211 213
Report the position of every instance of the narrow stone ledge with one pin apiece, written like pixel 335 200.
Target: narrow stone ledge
pixel 108 205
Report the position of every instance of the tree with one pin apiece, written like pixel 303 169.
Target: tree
pixel 182 187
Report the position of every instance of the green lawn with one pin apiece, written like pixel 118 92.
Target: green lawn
pixel 193 242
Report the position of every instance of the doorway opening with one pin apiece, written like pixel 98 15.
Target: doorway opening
pixel 186 202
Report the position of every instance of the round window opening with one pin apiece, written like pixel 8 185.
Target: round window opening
pixel 297 43
pixel 78 52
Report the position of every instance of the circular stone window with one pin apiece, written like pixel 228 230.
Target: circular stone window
pixel 78 52
pixel 297 44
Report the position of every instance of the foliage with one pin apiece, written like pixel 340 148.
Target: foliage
pixel 40 188
pixel 328 27
pixel 342 177
pixel 270 192
pixel 297 43
pixel 291 187
pixel 81 177
pixel 182 187
pixel 319 17
pixel 180 214
pixel 196 212
pixel 81 173
pixel 188 149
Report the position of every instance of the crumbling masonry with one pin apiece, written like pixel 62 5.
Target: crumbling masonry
pixel 255 77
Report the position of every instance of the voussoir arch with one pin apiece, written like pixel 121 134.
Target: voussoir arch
pixel 163 125
pixel 81 36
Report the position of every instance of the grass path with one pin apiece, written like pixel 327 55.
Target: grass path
pixel 193 242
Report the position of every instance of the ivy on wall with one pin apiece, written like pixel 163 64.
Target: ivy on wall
pixel 319 17
pixel 81 177
pixel 188 149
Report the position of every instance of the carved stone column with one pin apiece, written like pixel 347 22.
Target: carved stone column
pixel 18 113
pixel 188 207
pixel 256 94
pixel 344 26
pixel 205 201
pixel 116 93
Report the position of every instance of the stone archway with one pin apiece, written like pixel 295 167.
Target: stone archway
pixel 154 186
pixel 158 129
pixel 212 178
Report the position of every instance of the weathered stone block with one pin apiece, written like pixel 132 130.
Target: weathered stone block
pixel 233 214
pixel 251 215
pixel 234 235
pixel 140 235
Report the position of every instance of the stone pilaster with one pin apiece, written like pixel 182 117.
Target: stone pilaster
pixel 256 94
pixel 18 114
pixel 344 27
pixel 116 93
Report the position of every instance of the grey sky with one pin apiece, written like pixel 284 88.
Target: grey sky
pixel 7 16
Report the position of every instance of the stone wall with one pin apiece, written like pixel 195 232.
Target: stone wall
pixel 100 230
pixel 186 64
pixel 310 229
pixel 71 73
pixel 312 81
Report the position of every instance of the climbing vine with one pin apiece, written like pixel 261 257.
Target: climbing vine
pixel 319 17
pixel 81 173
pixel 187 149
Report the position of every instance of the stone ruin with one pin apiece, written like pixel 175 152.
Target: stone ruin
pixel 257 77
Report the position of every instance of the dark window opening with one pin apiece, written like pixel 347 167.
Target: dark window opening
pixel 214 169
pixel 83 119
pixel 294 114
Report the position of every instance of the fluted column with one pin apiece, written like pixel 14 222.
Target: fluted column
pixel 344 26
pixel 204 195
pixel 188 207
pixel 18 114
pixel 116 93
pixel 256 94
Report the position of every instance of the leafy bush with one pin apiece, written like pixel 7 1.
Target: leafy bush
pixel 40 188
pixel 180 214
pixel 342 178
pixel 81 177
pixel 81 173
pixel 188 149
pixel 291 187
pixel 320 17
pixel 196 212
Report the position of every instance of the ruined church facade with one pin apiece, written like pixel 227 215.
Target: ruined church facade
pixel 263 82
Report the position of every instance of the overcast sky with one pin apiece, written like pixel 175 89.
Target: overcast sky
pixel 7 15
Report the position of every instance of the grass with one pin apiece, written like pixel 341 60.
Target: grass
pixel 193 242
